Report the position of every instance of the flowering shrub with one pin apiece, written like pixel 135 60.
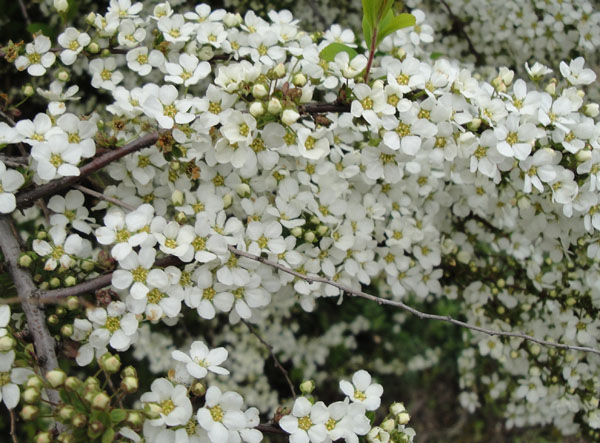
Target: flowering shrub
pixel 201 174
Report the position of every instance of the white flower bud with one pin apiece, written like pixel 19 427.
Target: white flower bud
pixel 206 53
pixel 7 343
pixel 289 117
pixel 279 70
pixel 591 110
pixel 299 79
pixel 403 418
pixel 259 90
pixel 227 200
pixel 397 408
pixel 63 76
pixel 70 281
pixel 274 106
pixel 257 109
pixel 56 377
pixel 378 435
pixel 93 48
pixel 583 155
pixel 61 5
pixel 388 425
pixel 551 87
pixel 232 20
pixel 101 401
pixel 177 197
pixel 307 386
pixel 309 236
pixel 474 124
pixel 28 90
pixel 296 231
pixel 243 190
pixel 90 18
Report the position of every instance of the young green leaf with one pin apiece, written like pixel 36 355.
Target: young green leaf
pixel 367 31
pixel 392 23
pixel 369 11
pixel 330 51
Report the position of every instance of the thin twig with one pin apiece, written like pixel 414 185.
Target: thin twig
pixel 13 162
pixel 459 25
pixel 7 117
pixel 270 349
pixel 24 12
pixel 13 427
pixel 271 429
pixel 101 196
pixel 317 108
pixel 36 321
pixel 27 198
pixel 399 304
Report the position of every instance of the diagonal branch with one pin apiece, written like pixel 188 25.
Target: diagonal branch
pixel 27 198
pixel 405 307
pixel 277 363
pixel 26 289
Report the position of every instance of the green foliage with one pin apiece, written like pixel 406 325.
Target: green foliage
pixel 330 51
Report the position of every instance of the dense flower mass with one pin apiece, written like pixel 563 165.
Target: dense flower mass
pixel 400 170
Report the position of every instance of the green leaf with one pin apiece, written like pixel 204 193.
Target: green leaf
pixel 392 23
pixel 369 11
pixel 46 29
pixel 330 51
pixel 435 55
pixel 367 31
pixel 108 436
pixel 118 415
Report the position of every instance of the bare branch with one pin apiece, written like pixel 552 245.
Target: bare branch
pixel 27 198
pixel 270 349
pixel 13 161
pixel 405 307
pixel 104 197
pixel 271 429
pixel 316 108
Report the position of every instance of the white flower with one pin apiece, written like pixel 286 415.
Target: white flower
pixel 361 390
pixel 313 145
pixel 176 407
pixel 575 73
pixel 113 325
pixel 515 139
pixel 10 181
pixel 125 231
pixel 38 59
pixel 10 378
pixel 56 158
pixel 70 209
pixel 201 360
pixel 138 60
pixel 221 414
pixel 306 423
pixel 188 71
pixel 63 250
pixel 73 41
pixel 162 104
pixel 137 270
pixel 104 73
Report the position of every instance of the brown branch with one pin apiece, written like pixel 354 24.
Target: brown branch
pixel 317 108
pixel 13 427
pixel 13 161
pixel 405 307
pixel 27 198
pixel 26 289
pixel 105 197
pixel 271 429
pixel 270 349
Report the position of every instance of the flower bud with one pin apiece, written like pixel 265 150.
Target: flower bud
pixel 31 395
pixel 474 124
pixel 206 53
pixel 7 343
pixel 299 79
pixel 230 20
pixel 79 420
pixel 279 70
pixel 198 389
pixel 289 117
pixel 70 281
pixel 257 109
pixel 180 218
pixel 54 282
pixel 376 434
pixel 322 230
pixel 296 231
pixel 388 425
pixel 134 419
pixel 61 5
pixel 591 110
pixel 66 437
pixel 128 371
pixel 315 220
pixel 73 384
pixel 43 437
pixel 130 384
pixel 403 418
pixel 583 155
pixel 66 412
pixel 551 87
pixel 96 426
pixel 274 106
pixel 110 363
pixel 29 412
pixel 152 410
pixel 72 303
pixel 227 201
pixel 259 90
pixel 28 90
pixel 101 401
pixel 93 48
pixel 63 76
pixel 307 386
pixel 243 190
pixel 87 265
pixel 35 381
pixel 41 235
pixel 177 197
pixel 90 18
pixel 309 236
pixel 56 377
pixel 397 408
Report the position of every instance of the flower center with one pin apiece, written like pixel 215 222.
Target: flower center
pixel 58 252
pixel 56 160
pixel 139 274
pixel 106 74
pixel 209 293
pixel 167 406
pixel 113 324
pixel 170 110
pixel 310 143
pixel 305 423
pixel 122 236
pixel 360 395
pixel 216 412
pixel 155 296
pixel 199 243
pixel 4 378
